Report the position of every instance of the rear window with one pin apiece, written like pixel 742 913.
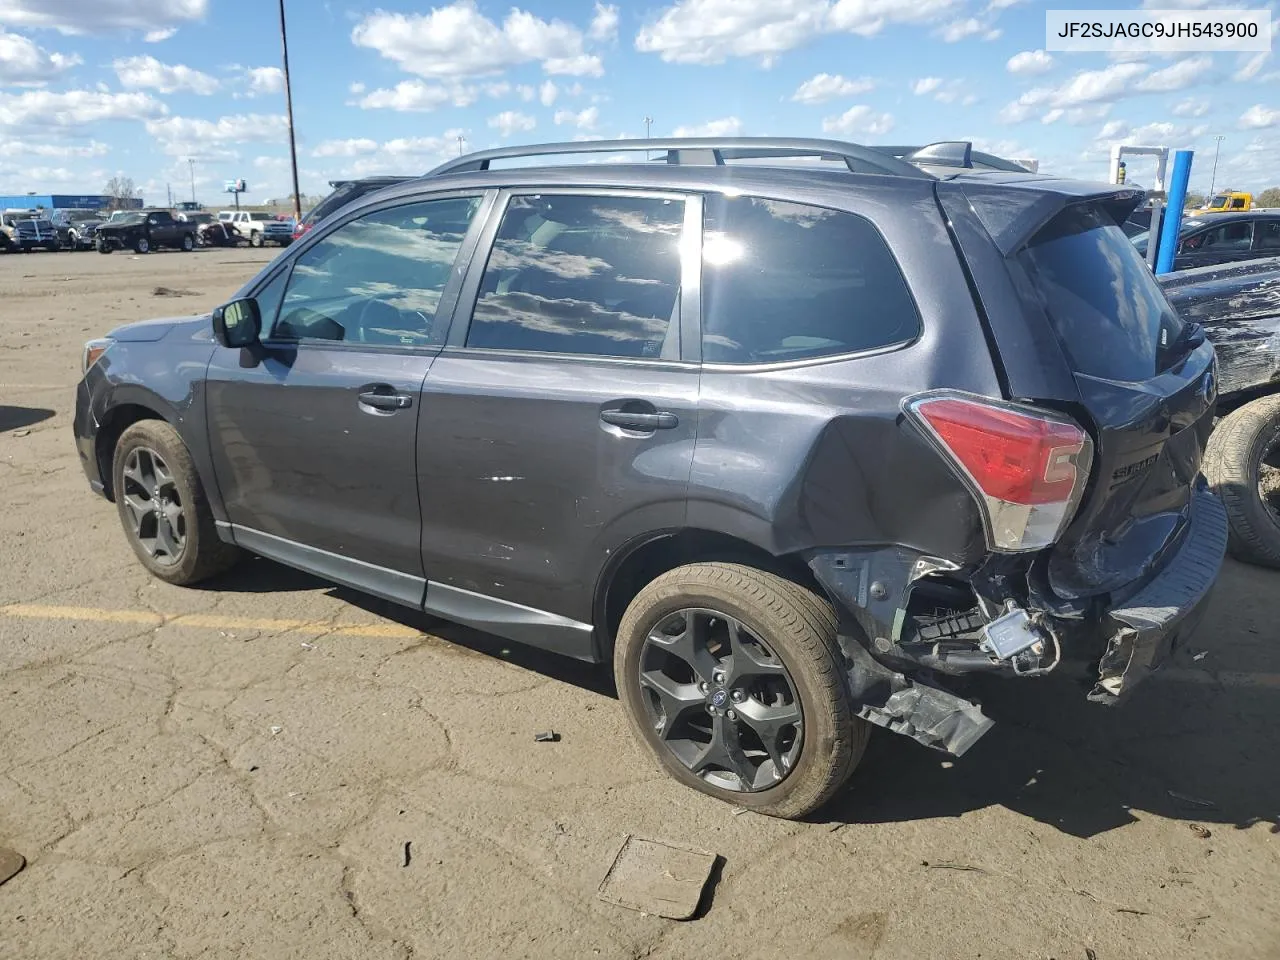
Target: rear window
pixel 1102 299
pixel 787 281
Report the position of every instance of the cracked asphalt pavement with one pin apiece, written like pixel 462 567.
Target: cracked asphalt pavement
pixel 233 771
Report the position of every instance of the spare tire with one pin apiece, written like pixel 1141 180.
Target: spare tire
pixel 1242 464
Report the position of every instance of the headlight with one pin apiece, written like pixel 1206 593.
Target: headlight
pixel 93 351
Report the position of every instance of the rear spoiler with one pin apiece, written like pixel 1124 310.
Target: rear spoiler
pixel 1012 217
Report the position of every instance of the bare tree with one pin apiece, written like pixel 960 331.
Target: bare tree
pixel 120 190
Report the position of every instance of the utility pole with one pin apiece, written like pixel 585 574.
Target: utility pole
pixel 288 99
pixel 191 162
pixel 461 141
pixel 1213 178
pixel 169 190
pixel 648 122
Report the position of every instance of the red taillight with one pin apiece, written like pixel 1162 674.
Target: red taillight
pixel 1029 466
pixel 300 229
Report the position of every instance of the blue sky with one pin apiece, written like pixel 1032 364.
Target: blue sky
pixel 94 88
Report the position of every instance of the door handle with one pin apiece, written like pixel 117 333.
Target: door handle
pixel 386 401
pixel 629 420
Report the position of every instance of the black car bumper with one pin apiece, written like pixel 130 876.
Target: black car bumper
pixel 85 429
pixel 1150 625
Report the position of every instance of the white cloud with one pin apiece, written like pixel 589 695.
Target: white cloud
pixel 712 31
pixel 926 85
pixel 1029 63
pixel 414 95
pixel 1088 86
pixel 404 155
pixel 17 180
pixel 459 41
pixel 944 91
pixel 148 73
pixel 583 120
pixel 526 92
pixel 264 80
pixel 724 127
pixel 509 122
pixel 159 36
pixel 1251 66
pixel 1258 116
pixel 547 93
pixel 93 148
pixel 22 63
pixel 1191 107
pixel 859 119
pixel 357 89
pixel 74 108
pixel 1177 76
pixel 827 86
pixel 183 135
pixel 958 30
pixel 98 16
pixel 355 147
pixel 604 25
pixel 1113 130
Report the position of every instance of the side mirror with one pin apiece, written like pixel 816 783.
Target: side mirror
pixel 238 323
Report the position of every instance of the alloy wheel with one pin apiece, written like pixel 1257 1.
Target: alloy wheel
pixel 720 701
pixel 154 506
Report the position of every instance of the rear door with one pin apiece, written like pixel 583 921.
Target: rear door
pixel 314 447
pixel 560 418
pixel 1146 384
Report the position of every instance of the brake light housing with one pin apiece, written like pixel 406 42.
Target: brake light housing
pixel 1026 467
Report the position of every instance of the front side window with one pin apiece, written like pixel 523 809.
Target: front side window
pixel 1226 238
pixel 1268 235
pixel 787 281
pixel 593 275
pixel 377 279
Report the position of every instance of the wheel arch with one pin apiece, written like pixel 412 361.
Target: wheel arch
pixel 114 422
pixel 644 558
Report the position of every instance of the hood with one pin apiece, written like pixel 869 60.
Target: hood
pixel 149 331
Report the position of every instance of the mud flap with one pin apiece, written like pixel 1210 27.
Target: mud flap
pixel 927 714
pixel 1154 620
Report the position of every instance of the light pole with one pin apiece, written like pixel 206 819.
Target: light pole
pixel 191 162
pixel 288 99
pixel 1213 178
pixel 648 122
pixel 461 141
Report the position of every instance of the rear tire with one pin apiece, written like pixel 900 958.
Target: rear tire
pixel 142 245
pixel 188 243
pixel 175 491
pixel 255 239
pixel 798 629
pixel 1234 465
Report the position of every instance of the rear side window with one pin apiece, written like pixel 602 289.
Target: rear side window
pixel 786 281
pixel 1268 235
pixel 587 275
pixel 1110 314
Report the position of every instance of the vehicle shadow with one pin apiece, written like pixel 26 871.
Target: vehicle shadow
pixel 14 418
pixel 260 575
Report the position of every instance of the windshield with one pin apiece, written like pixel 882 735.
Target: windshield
pixel 1110 314
pixel 1219 201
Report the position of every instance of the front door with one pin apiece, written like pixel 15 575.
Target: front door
pixel 560 421
pixel 314 446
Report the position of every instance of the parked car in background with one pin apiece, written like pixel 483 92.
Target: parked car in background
pixel 344 192
pixel 1238 305
pixel 1227 202
pixel 1218 238
pixel 145 230
pixel 27 233
pixel 76 228
pixel 792 449
pixel 195 217
pixel 252 224
pixel 279 231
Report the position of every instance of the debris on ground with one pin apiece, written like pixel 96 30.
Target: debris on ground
pixel 406 855
pixel 21 433
pixel 1136 913
pixel 276 730
pixel 1192 801
pixel 11 864
pixel 1090 953
pixel 547 736
pixel 170 292
pixel 657 878
pixel 308 646
pixel 1201 832
pixel 950 865
pixel 1201 655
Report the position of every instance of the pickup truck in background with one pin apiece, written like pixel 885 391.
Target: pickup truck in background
pixel 250 223
pixel 145 230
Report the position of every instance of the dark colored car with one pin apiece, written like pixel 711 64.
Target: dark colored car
pixel 27 233
pixel 145 231
pixel 1215 238
pixel 1239 307
pixel 344 192
pixel 794 449
pixel 76 228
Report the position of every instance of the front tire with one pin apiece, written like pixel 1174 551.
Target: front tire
pixel 103 246
pixel 188 243
pixel 163 507
pixel 1242 464
pixel 142 245
pixel 255 239
pixel 732 678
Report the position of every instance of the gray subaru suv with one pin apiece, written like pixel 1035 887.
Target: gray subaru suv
pixel 795 433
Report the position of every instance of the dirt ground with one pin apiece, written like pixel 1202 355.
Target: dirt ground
pixel 235 771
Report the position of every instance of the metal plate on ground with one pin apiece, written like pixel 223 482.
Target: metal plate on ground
pixel 656 877
pixel 11 864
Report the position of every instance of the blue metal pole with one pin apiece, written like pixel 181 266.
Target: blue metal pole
pixel 1173 211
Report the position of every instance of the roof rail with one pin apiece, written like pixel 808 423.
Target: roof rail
pixel 703 151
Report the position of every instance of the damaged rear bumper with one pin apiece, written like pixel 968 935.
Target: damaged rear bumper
pixel 1150 624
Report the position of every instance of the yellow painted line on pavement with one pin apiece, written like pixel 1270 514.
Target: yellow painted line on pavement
pixel 202 621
